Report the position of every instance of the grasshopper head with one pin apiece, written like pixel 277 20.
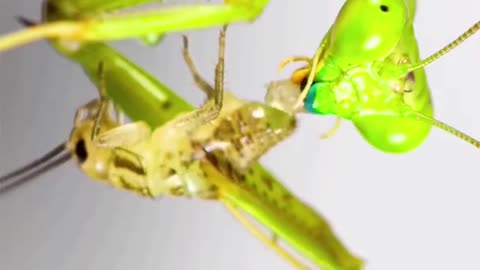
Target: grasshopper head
pixel 93 159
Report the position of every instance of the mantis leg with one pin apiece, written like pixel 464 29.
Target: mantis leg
pixel 270 242
pixel 211 109
pixel 102 27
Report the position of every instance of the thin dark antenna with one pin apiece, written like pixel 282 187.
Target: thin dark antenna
pixel 50 160
pixel 25 21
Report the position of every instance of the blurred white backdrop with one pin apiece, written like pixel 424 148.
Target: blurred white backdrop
pixel 413 211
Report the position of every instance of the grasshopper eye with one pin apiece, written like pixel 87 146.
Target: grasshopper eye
pixel 81 151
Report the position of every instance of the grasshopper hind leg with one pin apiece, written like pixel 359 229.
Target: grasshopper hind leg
pixel 270 242
pixel 211 109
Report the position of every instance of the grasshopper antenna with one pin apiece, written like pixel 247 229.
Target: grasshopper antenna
pixel 50 160
pixel 25 22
